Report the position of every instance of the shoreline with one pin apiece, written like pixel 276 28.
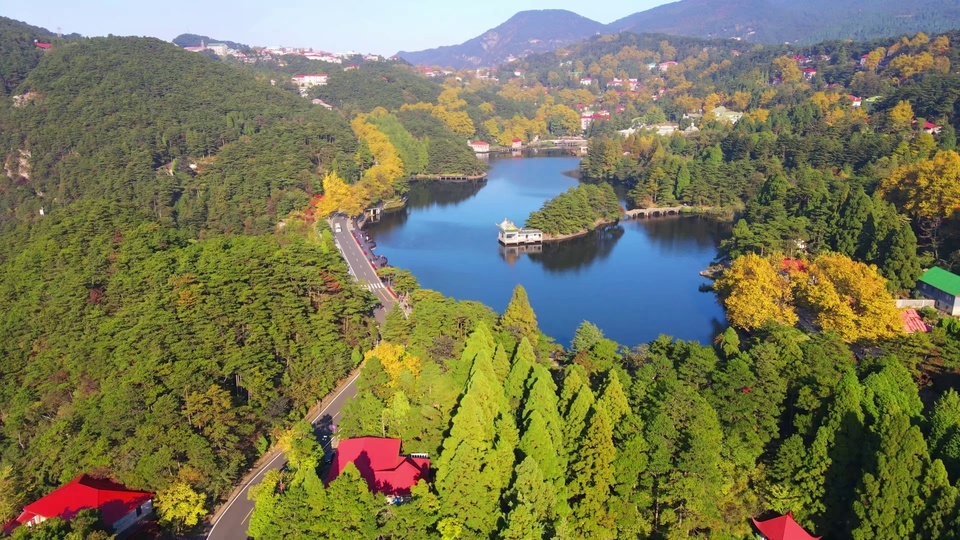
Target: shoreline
pixel 578 234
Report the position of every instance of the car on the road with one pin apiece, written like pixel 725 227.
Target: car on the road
pixel 337 228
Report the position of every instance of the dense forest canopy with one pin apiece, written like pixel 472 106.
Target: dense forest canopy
pixel 665 440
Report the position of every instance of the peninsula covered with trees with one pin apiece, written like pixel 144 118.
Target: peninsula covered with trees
pixel 576 211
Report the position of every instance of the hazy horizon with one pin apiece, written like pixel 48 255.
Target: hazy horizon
pixel 376 26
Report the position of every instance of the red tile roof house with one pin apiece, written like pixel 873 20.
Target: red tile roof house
pixel 782 528
pixel 380 464
pixel 516 144
pixel 119 507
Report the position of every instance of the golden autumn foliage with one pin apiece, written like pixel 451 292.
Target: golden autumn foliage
pixel 394 359
pixel 901 115
pixel 927 189
pixel 378 180
pixel 755 293
pixel 848 297
pixel 842 295
pixel 789 72
pixel 338 196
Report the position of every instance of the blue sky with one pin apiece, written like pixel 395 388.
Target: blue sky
pixel 378 26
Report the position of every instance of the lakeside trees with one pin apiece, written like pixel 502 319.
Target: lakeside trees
pixel 579 209
pixel 670 438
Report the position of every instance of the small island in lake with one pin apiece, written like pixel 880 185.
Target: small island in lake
pixel 576 212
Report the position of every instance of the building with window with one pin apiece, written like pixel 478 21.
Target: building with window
pixel 942 287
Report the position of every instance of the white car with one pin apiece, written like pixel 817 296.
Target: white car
pixel 336 227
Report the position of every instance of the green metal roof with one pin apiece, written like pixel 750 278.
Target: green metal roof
pixel 939 278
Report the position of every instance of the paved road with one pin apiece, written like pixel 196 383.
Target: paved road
pixel 234 519
pixel 359 265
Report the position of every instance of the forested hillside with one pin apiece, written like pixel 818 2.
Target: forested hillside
pixel 101 116
pixel 670 439
pixel 156 325
pixel 18 51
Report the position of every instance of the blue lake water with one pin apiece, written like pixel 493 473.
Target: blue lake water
pixel 635 282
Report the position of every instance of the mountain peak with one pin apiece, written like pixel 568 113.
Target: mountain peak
pixel 526 32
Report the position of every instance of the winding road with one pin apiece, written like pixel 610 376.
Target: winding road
pixel 231 521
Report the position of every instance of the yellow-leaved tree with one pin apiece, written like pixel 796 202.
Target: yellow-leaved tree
pixel 755 293
pixel 928 189
pixel 848 297
pixel 179 505
pixel 338 196
pixel 395 360
pixel 378 180
pixel 901 115
pixel 789 71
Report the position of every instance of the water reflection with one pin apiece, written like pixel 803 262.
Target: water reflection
pixel 578 253
pixel 427 194
pixel 680 234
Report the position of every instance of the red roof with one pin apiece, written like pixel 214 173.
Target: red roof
pixel 42 45
pixel 380 464
pixel 929 125
pixel 912 322
pixel 518 140
pixel 782 528
pixel 113 500
pixel 479 143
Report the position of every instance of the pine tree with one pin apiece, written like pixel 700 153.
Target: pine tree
pixel 575 422
pixel 542 397
pixel 349 498
pixel 900 264
pixel 520 370
pixel 612 399
pixel 593 476
pixel 518 319
pixel 945 432
pixel 501 363
pixel 940 504
pixel 889 496
pixel 574 379
pixel 530 503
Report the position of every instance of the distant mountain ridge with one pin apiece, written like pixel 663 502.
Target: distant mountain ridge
pixel 527 32
pixel 760 21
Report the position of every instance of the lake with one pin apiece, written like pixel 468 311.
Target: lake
pixel 635 281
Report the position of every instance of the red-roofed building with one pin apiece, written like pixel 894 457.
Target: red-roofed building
pixel 516 144
pixel 42 44
pixel 380 464
pixel 912 322
pixel 119 507
pixel 480 147
pixel 931 128
pixel 809 73
pixel 782 528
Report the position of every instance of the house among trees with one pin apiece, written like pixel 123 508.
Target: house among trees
pixel 516 144
pixel 480 147
pixel 782 528
pixel 119 507
pixel 942 287
pixel 379 462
